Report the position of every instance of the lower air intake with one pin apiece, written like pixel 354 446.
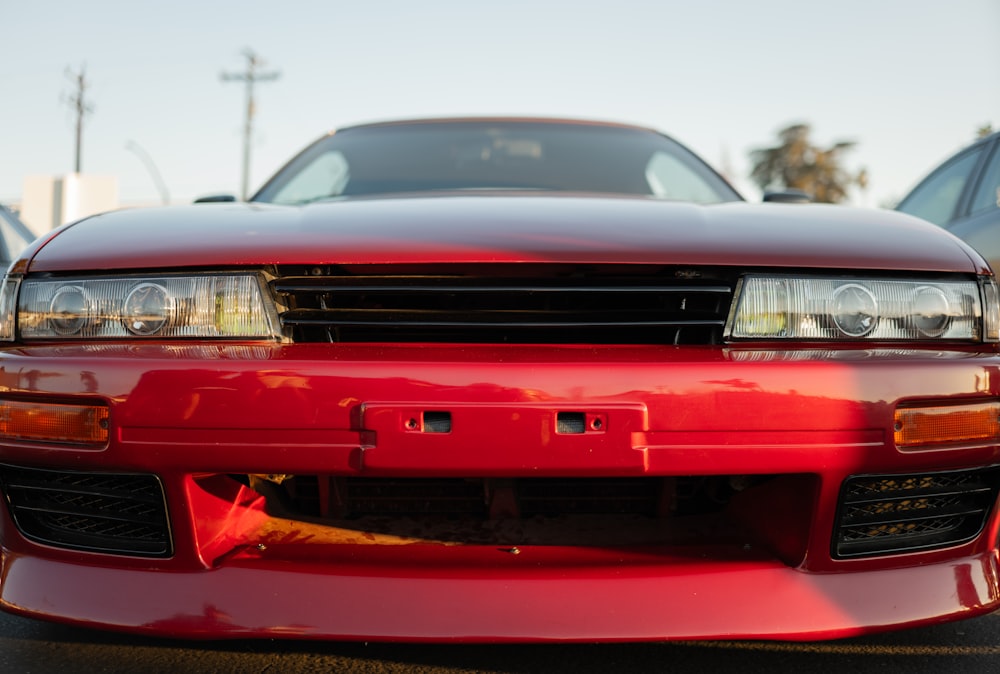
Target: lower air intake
pixel 99 512
pixel 891 514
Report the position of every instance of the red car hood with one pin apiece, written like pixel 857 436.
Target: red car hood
pixel 503 228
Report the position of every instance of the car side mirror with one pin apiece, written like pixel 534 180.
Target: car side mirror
pixel 789 196
pixel 215 199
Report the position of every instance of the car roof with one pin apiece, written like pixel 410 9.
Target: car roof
pixel 499 120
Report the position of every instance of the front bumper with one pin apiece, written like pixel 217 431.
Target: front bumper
pixel 208 420
pixel 487 595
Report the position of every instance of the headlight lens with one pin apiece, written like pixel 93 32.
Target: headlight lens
pixel 70 310
pixel 811 308
pixel 148 309
pixel 210 305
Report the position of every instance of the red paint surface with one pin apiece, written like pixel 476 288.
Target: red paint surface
pixel 491 595
pixel 188 412
pixel 508 229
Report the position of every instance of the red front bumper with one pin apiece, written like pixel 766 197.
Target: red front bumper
pixel 491 595
pixel 188 414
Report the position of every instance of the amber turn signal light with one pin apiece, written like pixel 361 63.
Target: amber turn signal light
pixel 927 427
pixel 54 423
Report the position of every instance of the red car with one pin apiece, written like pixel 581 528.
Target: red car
pixel 499 380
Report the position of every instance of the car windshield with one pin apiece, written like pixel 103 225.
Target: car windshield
pixel 495 155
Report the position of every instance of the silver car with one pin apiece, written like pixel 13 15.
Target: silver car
pixel 14 236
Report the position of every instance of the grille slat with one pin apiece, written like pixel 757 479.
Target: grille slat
pixel 394 318
pixel 552 308
pixel 905 513
pixel 99 512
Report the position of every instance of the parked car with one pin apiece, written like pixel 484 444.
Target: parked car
pixel 499 380
pixel 962 195
pixel 14 236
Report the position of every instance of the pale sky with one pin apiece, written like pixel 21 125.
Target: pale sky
pixel 909 82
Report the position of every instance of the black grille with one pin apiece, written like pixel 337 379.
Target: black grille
pixel 364 496
pixel 100 512
pixel 671 306
pixel 481 498
pixel 883 514
pixel 595 512
pixel 553 496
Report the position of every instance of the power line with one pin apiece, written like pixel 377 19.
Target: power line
pixel 250 77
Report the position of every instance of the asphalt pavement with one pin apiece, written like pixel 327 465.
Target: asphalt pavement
pixel 969 647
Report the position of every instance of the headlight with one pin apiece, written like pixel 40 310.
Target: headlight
pixel 816 308
pixel 163 307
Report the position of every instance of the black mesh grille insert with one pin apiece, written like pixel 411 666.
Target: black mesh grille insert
pixel 100 512
pixel 724 512
pixel 367 496
pixel 479 498
pixel 554 496
pixel 659 306
pixel 885 514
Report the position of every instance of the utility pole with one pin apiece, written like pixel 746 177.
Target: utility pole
pixel 250 77
pixel 78 103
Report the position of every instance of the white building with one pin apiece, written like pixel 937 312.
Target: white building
pixel 51 201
